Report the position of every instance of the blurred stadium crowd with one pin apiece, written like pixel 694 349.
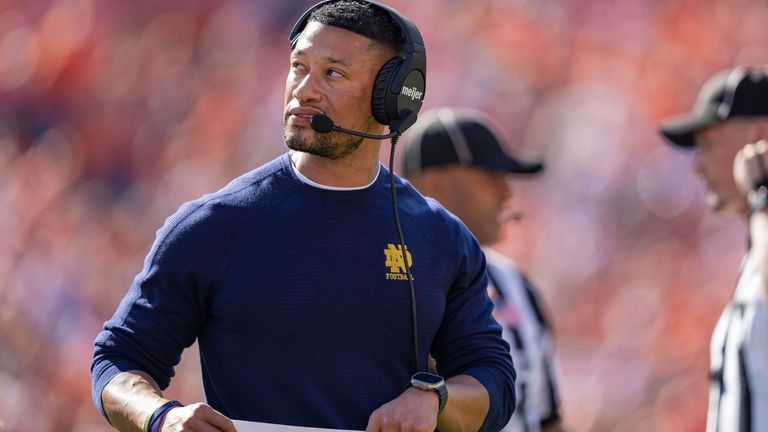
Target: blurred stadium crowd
pixel 115 112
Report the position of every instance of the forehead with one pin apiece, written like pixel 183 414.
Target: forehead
pixel 322 40
pixel 472 171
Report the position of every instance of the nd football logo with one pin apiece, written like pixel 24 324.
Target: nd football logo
pixel 396 263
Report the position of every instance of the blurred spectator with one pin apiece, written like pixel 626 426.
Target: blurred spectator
pixel 113 113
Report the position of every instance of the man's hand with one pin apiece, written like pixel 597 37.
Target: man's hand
pixel 132 396
pixel 414 410
pixel 750 165
pixel 196 417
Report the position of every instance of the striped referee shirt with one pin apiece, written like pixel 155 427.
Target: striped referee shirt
pixel 519 311
pixel 738 398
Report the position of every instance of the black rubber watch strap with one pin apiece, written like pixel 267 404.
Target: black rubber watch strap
pixel 757 196
pixel 442 392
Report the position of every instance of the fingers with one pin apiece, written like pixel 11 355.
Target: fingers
pixel 389 423
pixel 197 417
pixel 219 420
pixel 761 145
pixel 755 152
pixel 412 411
pixel 373 423
pixel 750 166
pixel 759 149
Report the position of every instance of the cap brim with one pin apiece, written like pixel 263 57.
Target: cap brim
pixel 513 166
pixel 679 131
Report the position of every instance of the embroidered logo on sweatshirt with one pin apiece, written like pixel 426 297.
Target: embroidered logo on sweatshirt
pixel 396 263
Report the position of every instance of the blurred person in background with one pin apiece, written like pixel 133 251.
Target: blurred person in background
pixel 727 130
pixel 331 343
pixel 458 157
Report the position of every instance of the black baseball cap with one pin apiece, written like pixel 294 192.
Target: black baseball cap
pixel 451 136
pixel 739 92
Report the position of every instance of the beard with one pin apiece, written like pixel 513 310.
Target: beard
pixel 333 145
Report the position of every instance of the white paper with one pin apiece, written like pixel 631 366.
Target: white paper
pixel 246 426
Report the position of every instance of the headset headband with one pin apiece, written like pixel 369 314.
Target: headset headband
pixel 413 42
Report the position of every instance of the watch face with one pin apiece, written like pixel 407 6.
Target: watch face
pixel 428 378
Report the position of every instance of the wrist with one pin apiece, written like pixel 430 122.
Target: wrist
pixel 153 421
pixel 433 397
pixel 432 383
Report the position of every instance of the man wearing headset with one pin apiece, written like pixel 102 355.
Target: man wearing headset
pixel 457 156
pixel 293 278
pixel 727 130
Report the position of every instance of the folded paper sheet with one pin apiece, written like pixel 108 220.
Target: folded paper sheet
pixel 246 426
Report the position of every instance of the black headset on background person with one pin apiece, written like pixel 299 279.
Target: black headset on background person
pixel 398 94
pixel 398 90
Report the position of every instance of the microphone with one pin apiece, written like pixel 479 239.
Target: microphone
pixel 323 124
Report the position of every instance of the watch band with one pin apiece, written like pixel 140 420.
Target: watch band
pixel 757 197
pixel 442 392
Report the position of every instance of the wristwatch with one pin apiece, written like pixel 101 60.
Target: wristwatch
pixel 757 197
pixel 431 382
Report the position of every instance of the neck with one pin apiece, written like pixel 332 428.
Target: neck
pixel 355 170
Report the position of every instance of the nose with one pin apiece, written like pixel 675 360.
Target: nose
pixel 306 89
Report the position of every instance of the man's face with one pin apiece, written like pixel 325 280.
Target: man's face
pixel 715 149
pixel 478 197
pixel 332 72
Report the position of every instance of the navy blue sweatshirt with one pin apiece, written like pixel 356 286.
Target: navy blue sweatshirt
pixel 300 304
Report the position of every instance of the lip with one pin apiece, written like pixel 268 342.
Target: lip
pixel 302 116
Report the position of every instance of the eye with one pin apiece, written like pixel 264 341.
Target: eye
pixel 334 73
pixel 297 65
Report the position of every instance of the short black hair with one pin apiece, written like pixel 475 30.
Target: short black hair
pixel 362 18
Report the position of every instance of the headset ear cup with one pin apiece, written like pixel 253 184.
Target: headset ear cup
pixel 380 90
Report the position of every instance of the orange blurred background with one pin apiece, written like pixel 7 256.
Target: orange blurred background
pixel 115 112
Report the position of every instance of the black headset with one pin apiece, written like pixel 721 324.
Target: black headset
pixel 398 91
